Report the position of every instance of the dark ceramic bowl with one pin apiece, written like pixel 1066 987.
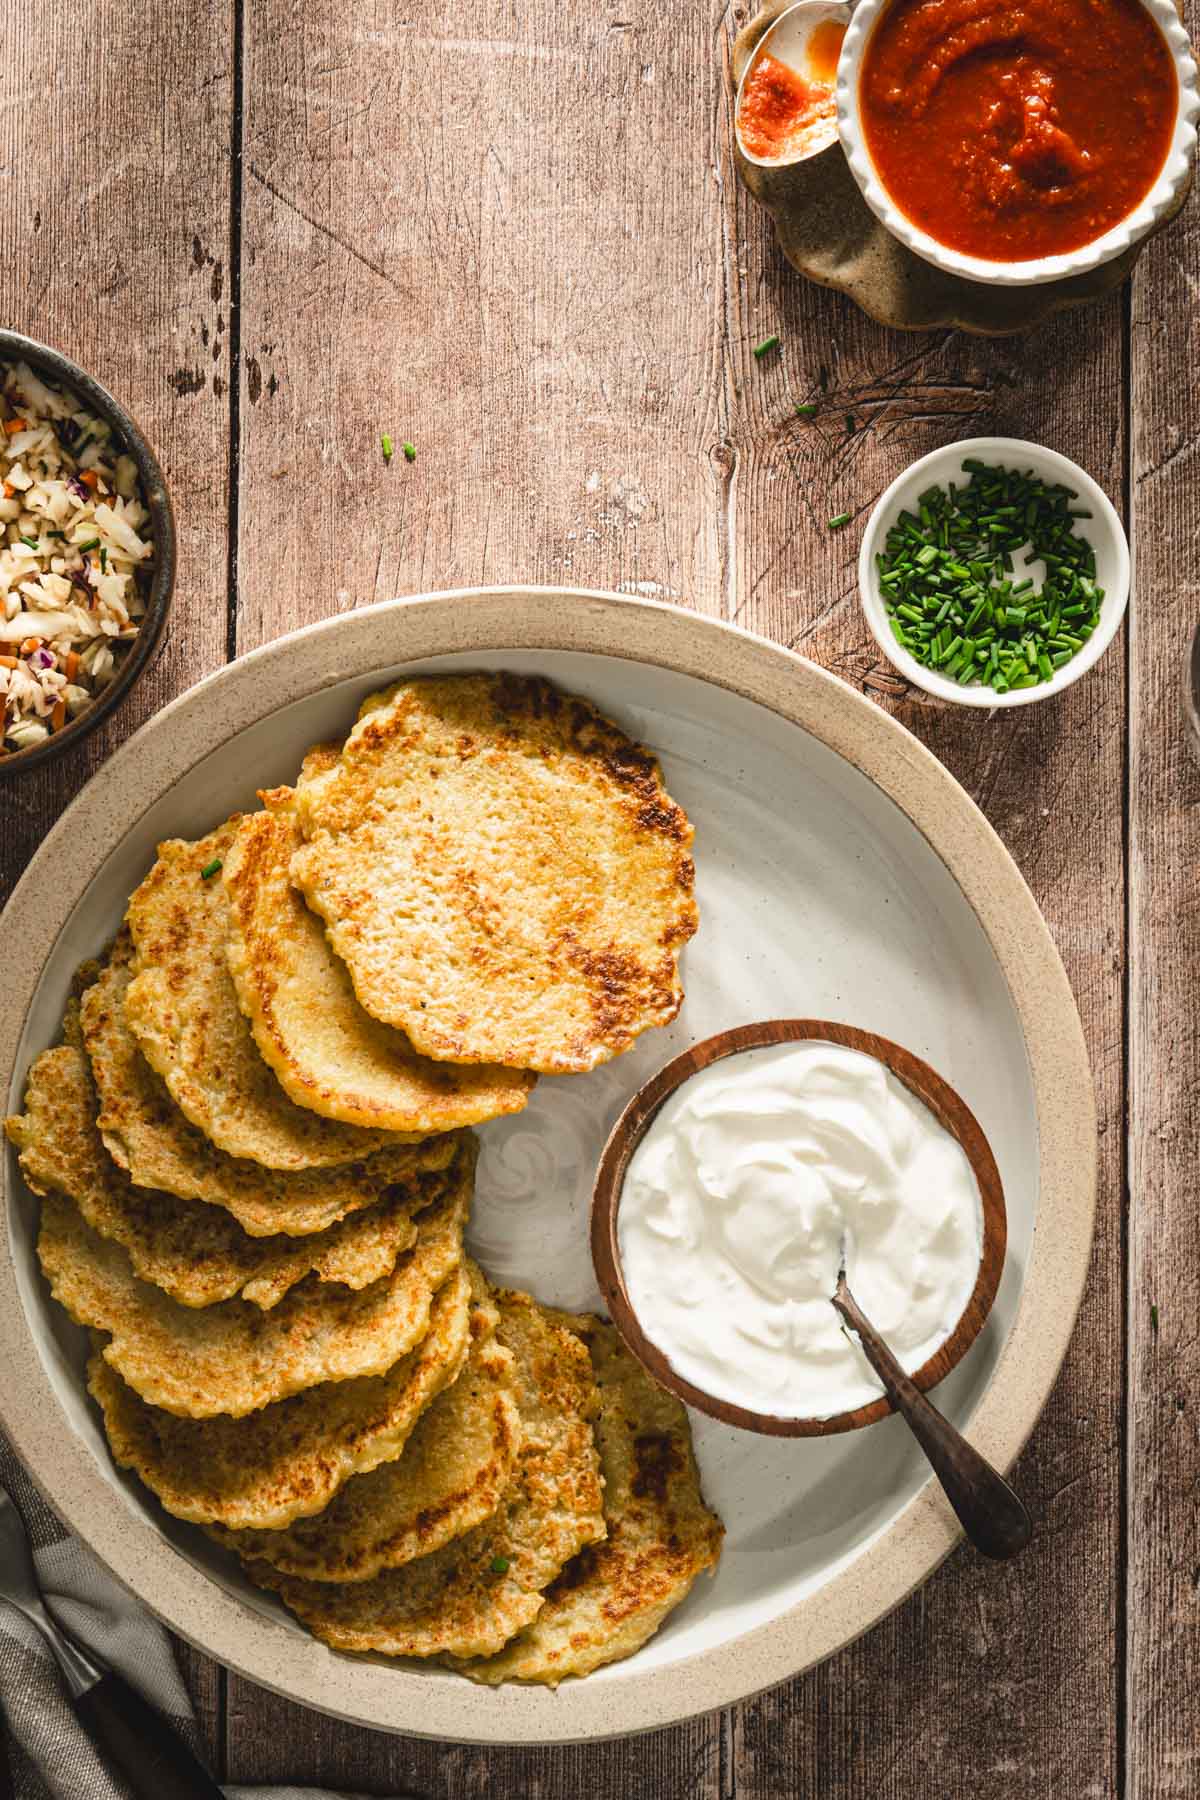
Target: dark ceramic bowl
pixel 60 370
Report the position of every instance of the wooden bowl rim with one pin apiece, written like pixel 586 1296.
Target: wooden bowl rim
pixel 932 1089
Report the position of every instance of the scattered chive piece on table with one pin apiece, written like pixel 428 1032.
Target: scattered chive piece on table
pixel 500 1565
pixel 1154 1320
pixel 807 409
pixel 955 601
pixel 410 451
pixel 210 869
pixel 850 425
pixel 838 520
pixel 768 343
pixel 386 445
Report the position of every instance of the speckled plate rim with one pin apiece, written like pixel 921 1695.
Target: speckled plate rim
pixel 910 1549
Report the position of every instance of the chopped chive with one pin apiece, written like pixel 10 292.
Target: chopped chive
pixel 807 409
pixel 104 561
pixel 948 582
pixel 838 520
pixel 90 545
pixel 410 452
pixel 32 542
pixel 500 1565
pixel 1154 1320
pixel 768 343
pixel 385 444
pixel 210 869
pixel 850 424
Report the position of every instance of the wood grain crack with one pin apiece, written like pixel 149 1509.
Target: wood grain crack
pixel 322 230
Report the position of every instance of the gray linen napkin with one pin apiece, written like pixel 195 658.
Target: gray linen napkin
pixel 51 1755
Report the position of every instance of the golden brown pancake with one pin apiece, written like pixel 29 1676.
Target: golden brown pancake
pixel 183 1010
pixel 234 1358
pixel 327 1053
pixel 145 1132
pixel 502 872
pixel 199 1255
pixel 452 1475
pixel 614 1595
pixel 288 1460
pixel 472 1595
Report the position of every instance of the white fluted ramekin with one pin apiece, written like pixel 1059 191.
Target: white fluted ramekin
pixel 1103 531
pixel 1156 206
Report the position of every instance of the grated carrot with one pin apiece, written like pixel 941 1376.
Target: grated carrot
pixel 72 664
pixel 12 426
pixel 58 716
pixel 89 478
pixel 8 662
pixel 30 645
pixel 9 490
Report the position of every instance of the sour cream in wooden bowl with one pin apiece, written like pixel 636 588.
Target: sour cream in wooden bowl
pixel 737 1181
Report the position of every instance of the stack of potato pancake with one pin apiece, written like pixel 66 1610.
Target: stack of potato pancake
pixel 254 1153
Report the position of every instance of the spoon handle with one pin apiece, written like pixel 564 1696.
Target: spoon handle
pixel 993 1517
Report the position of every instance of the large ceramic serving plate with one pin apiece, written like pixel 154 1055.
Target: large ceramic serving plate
pixel 842 874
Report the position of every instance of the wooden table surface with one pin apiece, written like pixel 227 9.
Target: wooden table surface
pixel 515 236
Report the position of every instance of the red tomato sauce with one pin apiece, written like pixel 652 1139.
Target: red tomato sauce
pixel 1012 129
pixel 783 113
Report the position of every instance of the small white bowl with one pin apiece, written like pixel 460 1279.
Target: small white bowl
pixel 1103 531
pixel 1128 231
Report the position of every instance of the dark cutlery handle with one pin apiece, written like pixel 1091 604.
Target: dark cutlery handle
pixel 7 1787
pixel 993 1517
pixel 138 1741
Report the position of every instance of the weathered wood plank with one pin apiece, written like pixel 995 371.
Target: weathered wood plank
pixel 488 232
pixel 1164 1035
pixel 271 1740
pixel 115 236
pixel 114 142
pixel 990 1680
pixel 205 1681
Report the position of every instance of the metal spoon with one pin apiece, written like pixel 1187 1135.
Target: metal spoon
pixel 133 1735
pixel 787 39
pixel 993 1517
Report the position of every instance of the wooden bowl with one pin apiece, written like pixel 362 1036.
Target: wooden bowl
pixel 948 1109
